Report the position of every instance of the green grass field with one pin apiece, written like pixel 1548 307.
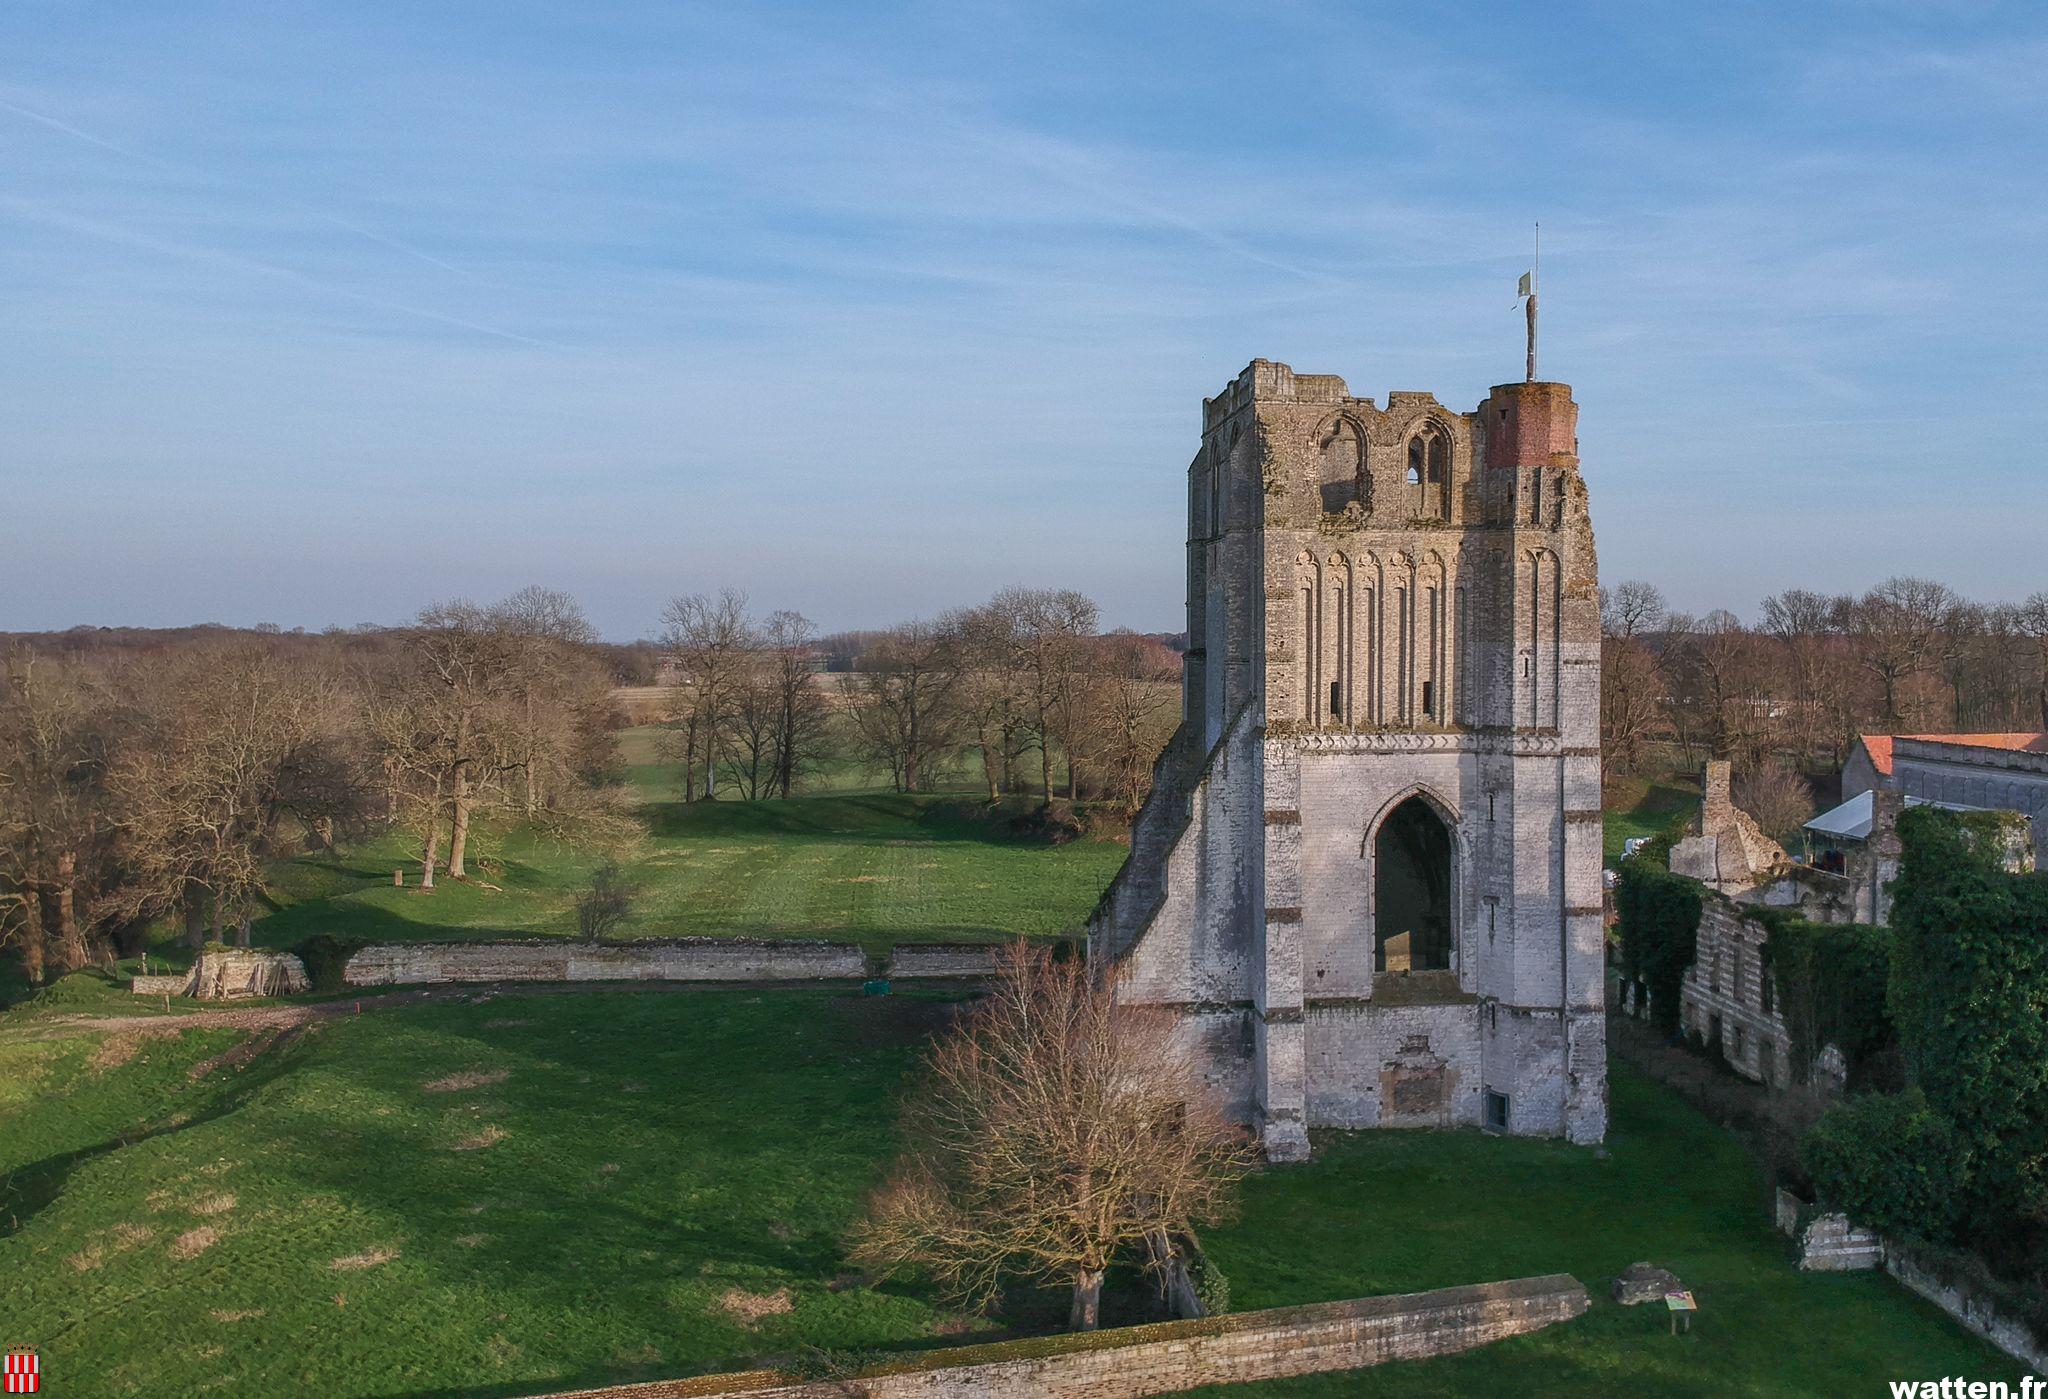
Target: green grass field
pixel 1646 806
pixel 472 1199
pixel 499 1194
pixel 538 1190
pixel 843 861
pixel 1400 1212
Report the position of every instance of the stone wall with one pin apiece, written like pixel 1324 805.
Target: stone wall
pixel 1976 1314
pixel 687 959
pixel 915 961
pixel 1724 992
pixel 1163 1359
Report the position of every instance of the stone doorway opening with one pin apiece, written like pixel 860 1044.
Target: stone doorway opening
pixel 1412 890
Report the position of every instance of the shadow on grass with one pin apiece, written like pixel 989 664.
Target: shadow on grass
pixel 26 1192
pixel 861 818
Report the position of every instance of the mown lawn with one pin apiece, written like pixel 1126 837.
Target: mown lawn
pixel 1401 1212
pixel 1645 806
pixel 870 866
pixel 532 1190
pixel 485 1198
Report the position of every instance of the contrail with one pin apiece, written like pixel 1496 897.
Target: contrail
pixel 158 163
pixel 1061 167
pixel 115 233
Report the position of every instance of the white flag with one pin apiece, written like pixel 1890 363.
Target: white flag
pixel 1527 286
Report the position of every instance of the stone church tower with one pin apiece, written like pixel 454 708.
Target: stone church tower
pixel 1368 875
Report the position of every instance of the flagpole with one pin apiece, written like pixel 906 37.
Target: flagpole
pixel 1535 280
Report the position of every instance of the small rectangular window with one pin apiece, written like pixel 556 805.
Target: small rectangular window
pixel 1336 699
pixel 1429 697
pixel 1496 1111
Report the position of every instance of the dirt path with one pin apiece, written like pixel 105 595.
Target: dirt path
pixel 271 1017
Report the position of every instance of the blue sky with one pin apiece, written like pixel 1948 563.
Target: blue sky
pixel 313 314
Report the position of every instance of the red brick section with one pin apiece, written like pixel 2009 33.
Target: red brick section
pixel 1530 424
pixel 1171 1356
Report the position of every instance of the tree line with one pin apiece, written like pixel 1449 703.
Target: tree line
pixel 144 783
pixel 1022 689
pixel 1793 690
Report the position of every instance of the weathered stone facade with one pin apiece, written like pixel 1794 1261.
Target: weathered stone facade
pixel 1369 872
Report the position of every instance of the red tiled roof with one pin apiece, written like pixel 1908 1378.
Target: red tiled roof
pixel 1879 746
pixel 2014 743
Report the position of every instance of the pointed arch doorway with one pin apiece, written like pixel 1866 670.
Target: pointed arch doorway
pixel 1412 889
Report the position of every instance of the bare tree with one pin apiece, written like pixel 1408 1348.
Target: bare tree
pixel 994 707
pixel 1631 683
pixel 551 671
pixel 1631 608
pixel 1898 632
pixel 1060 1129
pixel 465 664
pixel 56 836
pixel 747 728
pixel 901 701
pixel 1047 629
pixel 1776 797
pixel 237 756
pixel 711 645
pixel 1134 701
pixel 2031 620
pixel 800 719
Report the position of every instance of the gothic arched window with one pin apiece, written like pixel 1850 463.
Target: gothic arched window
pixel 1429 473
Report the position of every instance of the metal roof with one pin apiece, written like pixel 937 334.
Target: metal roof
pixel 1851 820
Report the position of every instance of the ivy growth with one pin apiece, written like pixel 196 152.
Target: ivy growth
pixel 1660 921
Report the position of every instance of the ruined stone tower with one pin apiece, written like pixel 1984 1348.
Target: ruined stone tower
pixel 1368 875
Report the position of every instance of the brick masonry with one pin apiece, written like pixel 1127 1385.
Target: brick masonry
pixel 1163 1359
pixel 1384 605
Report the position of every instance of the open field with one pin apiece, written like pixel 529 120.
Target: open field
pixel 845 861
pixel 477 1198
pixel 499 1194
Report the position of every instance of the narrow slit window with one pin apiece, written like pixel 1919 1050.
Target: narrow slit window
pixel 1336 699
pixel 1429 697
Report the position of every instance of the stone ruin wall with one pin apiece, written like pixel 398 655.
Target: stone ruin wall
pixel 689 959
pixel 1169 1357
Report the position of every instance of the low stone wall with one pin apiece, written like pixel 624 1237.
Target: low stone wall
pixel 687 959
pixel 175 984
pixel 1132 1361
pixel 911 961
pixel 1976 1314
